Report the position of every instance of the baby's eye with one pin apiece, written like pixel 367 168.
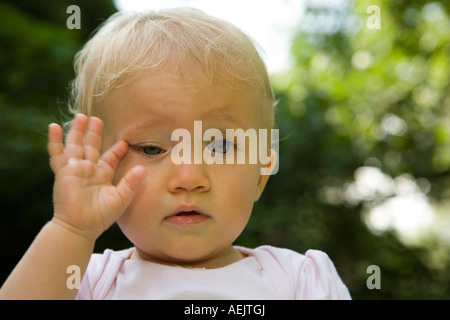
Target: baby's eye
pixel 221 146
pixel 151 150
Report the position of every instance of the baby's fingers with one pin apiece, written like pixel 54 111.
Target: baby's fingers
pixel 129 184
pixel 74 141
pixel 111 158
pixel 55 147
pixel 93 140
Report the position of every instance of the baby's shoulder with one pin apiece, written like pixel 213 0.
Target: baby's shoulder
pixel 109 257
pixel 101 273
pixel 286 257
pixel 310 275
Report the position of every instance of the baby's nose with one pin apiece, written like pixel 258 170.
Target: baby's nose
pixel 188 177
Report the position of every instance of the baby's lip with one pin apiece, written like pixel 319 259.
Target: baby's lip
pixel 187 216
pixel 185 210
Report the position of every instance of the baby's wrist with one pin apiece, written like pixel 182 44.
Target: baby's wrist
pixel 88 235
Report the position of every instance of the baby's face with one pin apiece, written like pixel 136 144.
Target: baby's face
pixel 220 197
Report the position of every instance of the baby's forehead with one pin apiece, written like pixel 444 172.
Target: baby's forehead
pixel 170 98
pixel 168 83
pixel 189 77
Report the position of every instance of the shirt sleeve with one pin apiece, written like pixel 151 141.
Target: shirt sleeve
pixel 101 273
pixel 90 278
pixel 319 279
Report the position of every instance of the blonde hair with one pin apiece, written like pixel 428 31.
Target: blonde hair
pixel 182 38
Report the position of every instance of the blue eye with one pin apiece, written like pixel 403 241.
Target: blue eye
pixel 220 146
pixel 147 149
pixel 152 150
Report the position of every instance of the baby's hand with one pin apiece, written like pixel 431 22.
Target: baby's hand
pixel 85 200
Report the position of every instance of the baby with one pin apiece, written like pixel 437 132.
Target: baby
pixel 139 79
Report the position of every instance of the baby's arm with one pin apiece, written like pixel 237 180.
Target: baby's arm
pixel 85 205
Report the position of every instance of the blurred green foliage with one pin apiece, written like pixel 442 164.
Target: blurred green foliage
pixel 355 97
pixel 363 97
pixel 36 59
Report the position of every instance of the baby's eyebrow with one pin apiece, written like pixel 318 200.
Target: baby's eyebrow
pixel 225 119
pixel 145 124
pixel 219 120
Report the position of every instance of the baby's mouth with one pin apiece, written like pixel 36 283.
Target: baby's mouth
pixel 187 215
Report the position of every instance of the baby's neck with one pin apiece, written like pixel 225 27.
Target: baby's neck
pixel 225 258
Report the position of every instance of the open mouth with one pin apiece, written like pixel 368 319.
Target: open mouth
pixel 187 216
pixel 187 213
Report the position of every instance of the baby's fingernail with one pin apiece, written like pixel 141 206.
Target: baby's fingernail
pixel 79 115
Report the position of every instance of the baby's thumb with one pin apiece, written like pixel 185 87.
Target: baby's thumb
pixel 130 183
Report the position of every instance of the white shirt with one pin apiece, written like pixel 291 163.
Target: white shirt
pixel 266 273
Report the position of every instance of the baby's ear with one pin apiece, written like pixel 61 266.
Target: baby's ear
pixel 266 171
pixel 270 166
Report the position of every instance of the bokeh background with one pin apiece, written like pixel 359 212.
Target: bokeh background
pixel 364 120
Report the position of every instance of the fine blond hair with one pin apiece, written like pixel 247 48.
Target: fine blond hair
pixel 182 38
